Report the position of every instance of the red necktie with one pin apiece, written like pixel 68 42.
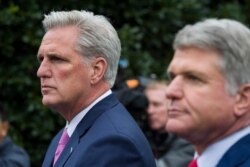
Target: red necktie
pixel 62 142
pixel 193 163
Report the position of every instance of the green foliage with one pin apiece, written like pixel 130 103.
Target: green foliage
pixel 146 29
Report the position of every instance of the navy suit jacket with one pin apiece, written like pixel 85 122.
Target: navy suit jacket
pixel 107 136
pixel 238 155
pixel 11 155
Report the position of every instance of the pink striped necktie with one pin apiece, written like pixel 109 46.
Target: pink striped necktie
pixel 62 143
pixel 193 163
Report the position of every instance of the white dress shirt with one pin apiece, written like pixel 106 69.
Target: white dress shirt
pixel 212 154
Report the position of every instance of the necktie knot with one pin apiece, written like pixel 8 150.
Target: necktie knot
pixel 64 138
pixel 193 163
pixel 61 144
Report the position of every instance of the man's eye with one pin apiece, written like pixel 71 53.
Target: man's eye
pixel 40 59
pixel 193 78
pixel 57 59
pixel 170 76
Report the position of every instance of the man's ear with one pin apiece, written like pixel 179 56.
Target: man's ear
pixel 243 100
pixel 99 66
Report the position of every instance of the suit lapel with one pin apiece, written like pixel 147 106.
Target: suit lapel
pixel 83 127
pixel 67 151
pixel 237 154
pixel 49 157
pixel 98 109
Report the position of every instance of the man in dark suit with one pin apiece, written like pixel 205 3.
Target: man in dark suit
pixel 78 57
pixel 209 91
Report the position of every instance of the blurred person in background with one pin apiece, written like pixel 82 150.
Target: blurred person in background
pixel 169 150
pixel 11 155
pixel 79 56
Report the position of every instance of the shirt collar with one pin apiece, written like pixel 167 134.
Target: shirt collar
pixel 212 155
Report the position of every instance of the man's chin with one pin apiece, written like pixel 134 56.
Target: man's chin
pixel 174 126
pixel 48 102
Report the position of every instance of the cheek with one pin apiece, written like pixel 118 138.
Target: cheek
pixel 210 106
pixel 63 73
pixel 75 74
pixel 163 113
pixel 72 80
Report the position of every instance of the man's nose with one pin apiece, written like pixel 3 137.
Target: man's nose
pixel 175 88
pixel 43 70
pixel 150 109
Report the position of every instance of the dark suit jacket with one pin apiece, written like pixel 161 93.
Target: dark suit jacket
pixel 106 137
pixel 12 155
pixel 238 155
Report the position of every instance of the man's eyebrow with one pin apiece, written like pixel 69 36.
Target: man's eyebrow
pixel 191 72
pixel 171 74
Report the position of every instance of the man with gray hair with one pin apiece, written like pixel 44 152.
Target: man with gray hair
pixel 78 57
pixel 209 92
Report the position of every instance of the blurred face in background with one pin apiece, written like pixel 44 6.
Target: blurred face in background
pixel 157 108
pixel 4 126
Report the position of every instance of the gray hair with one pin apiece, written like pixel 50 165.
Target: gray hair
pixel 97 37
pixel 230 39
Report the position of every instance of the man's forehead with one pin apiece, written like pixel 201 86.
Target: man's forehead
pixel 193 59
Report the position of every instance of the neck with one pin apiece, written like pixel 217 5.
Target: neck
pixel 200 146
pixel 69 111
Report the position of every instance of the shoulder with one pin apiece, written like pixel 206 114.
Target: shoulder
pixel 114 139
pixel 238 154
pixel 117 121
pixel 14 154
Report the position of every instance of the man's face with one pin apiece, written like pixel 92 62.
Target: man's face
pixel 200 108
pixel 4 127
pixel 63 74
pixel 157 108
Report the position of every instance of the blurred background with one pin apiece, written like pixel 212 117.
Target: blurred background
pixel 146 29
